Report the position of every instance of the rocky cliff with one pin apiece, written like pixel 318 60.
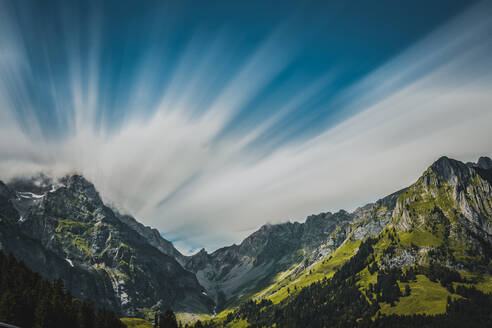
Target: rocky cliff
pixel 65 230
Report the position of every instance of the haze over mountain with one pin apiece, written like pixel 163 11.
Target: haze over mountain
pixel 206 120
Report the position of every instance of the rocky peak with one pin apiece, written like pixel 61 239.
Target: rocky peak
pixel 484 163
pixel 447 170
pixel 456 189
pixel 5 191
pixel 79 185
pixel 317 218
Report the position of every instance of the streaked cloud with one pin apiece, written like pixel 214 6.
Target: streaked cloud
pixel 207 147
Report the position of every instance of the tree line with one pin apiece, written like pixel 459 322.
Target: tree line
pixel 341 302
pixel 29 301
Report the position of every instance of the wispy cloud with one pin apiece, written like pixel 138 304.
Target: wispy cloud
pixel 173 165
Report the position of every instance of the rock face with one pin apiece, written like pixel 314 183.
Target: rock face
pixel 457 190
pixel 153 237
pixel 66 231
pixel 447 213
pixel 232 272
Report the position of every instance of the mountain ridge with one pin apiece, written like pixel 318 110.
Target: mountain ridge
pixel 449 200
pixel 72 225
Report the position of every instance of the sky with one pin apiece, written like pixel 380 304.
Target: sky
pixel 208 119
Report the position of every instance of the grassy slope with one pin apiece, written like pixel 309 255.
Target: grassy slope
pixel 279 290
pixel 136 323
pixel 426 297
pixel 187 318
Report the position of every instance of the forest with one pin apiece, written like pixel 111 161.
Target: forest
pixel 339 302
pixel 28 300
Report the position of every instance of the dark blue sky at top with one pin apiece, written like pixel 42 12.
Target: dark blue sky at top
pixel 344 39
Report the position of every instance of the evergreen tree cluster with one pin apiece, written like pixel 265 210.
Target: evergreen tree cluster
pixel 340 302
pixel 335 302
pixel 471 311
pixel 30 301
pixel 167 320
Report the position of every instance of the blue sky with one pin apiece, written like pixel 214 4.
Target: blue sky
pixel 207 119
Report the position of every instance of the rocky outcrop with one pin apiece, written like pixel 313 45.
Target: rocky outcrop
pixel 448 212
pixel 458 190
pixel 67 232
pixel 231 272
pixel 153 237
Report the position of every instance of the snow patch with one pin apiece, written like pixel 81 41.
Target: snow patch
pixel 29 195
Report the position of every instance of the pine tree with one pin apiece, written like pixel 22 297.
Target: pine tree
pixel 168 320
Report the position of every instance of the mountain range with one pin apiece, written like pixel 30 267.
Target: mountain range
pixel 61 228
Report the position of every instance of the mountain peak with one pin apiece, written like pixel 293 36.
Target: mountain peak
pixel 449 170
pixel 79 184
pixel 485 163
pixel 76 180
pixel 443 161
pixel 5 191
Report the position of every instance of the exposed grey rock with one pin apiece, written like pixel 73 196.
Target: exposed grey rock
pixel 67 232
pixel 484 163
pixel 401 259
pixel 153 236
pixel 370 229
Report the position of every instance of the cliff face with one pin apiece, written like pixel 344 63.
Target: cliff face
pixel 66 231
pixel 446 216
pixel 458 192
pixel 153 237
pixel 232 273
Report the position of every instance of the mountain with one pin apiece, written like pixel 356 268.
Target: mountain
pixel 450 207
pixel 425 250
pixel 419 257
pixel 230 273
pixel 64 230
pixel 233 274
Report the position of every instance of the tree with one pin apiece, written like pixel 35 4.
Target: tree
pixel 86 315
pixel 407 290
pixel 168 320
pixel 156 321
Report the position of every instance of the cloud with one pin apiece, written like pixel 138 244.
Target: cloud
pixel 174 171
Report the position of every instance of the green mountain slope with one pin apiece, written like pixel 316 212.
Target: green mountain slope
pixel 432 258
